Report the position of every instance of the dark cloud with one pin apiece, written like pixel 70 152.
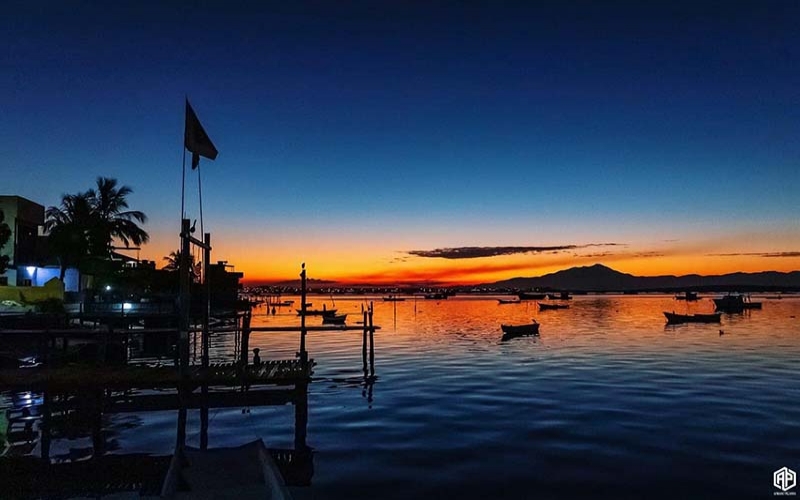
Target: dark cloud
pixel 649 254
pixel 477 252
pixel 757 254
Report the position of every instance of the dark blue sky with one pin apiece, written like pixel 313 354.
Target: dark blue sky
pixel 450 123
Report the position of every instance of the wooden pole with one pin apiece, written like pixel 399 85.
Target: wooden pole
pixel 301 416
pixel 204 418
pixel 183 327
pixel 364 339
pixel 245 340
pixel 302 353
pixel 371 342
pixel 207 308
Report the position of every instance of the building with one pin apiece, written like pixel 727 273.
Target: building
pixel 24 218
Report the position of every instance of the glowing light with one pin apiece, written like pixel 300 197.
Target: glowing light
pixel 31 270
pixel 126 306
pixel 108 288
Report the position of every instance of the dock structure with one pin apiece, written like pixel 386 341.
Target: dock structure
pixel 108 383
pixel 92 472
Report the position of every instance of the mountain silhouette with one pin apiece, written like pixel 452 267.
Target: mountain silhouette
pixel 602 278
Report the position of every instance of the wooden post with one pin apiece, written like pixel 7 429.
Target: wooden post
pixel 204 418
pixel 180 438
pixel 371 342
pixel 207 308
pixel 245 340
pixel 302 353
pixel 301 416
pixel 183 326
pixel 364 339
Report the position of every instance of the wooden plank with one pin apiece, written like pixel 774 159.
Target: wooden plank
pixel 128 376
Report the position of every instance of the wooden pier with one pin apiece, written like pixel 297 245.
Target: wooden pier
pixel 279 372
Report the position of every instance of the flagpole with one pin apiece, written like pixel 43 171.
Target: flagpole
pixel 200 195
pixel 183 182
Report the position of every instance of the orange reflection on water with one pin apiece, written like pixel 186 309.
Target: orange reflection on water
pixel 593 325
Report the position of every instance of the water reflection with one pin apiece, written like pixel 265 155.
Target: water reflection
pixel 68 444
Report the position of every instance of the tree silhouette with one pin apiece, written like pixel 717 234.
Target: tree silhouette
pixel 86 224
pixel 112 220
pixel 68 229
pixel 174 264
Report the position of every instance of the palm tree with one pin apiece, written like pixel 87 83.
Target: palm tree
pixel 68 229
pixel 174 264
pixel 112 220
pixel 86 224
pixel 173 261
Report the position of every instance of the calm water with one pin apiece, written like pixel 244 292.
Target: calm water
pixel 606 402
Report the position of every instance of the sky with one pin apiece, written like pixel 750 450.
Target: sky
pixel 397 141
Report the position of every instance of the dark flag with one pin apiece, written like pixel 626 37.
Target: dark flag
pixel 195 138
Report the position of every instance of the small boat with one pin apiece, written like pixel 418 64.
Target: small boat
pixel 280 303
pixel 673 318
pixel 508 301
pixel 316 312
pixel 392 298
pixel 735 303
pixel 546 307
pixel 688 296
pixel 511 331
pixel 560 296
pixel 531 296
pixel 334 319
pixel 246 471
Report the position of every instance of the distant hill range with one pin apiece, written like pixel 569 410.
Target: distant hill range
pixel 601 278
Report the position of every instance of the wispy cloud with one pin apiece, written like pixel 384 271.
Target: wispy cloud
pixel 478 252
pixel 757 254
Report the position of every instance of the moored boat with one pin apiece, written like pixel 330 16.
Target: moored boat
pixel 546 307
pixel 735 303
pixel 559 296
pixel 508 301
pixel 316 312
pixel 531 296
pixel 511 331
pixel 334 319
pixel 674 318
pixel 246 471
pixel 688 296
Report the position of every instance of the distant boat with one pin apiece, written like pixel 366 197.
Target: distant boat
pixel 545 307
pixel 508 301
pixel 511 331
pixel 560 296
pixel 436 296
pixel 246 471
pixel 688 296
pixel 334 319
pixel 531 296
pixel 735 303
pixel 673 318
pixel 280 303
pixel 316 312
pixel 393 298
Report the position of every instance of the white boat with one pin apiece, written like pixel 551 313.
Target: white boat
pixel 242 472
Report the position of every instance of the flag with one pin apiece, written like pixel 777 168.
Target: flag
pixel 195 138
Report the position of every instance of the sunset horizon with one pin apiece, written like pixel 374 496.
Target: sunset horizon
pixel 400 249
